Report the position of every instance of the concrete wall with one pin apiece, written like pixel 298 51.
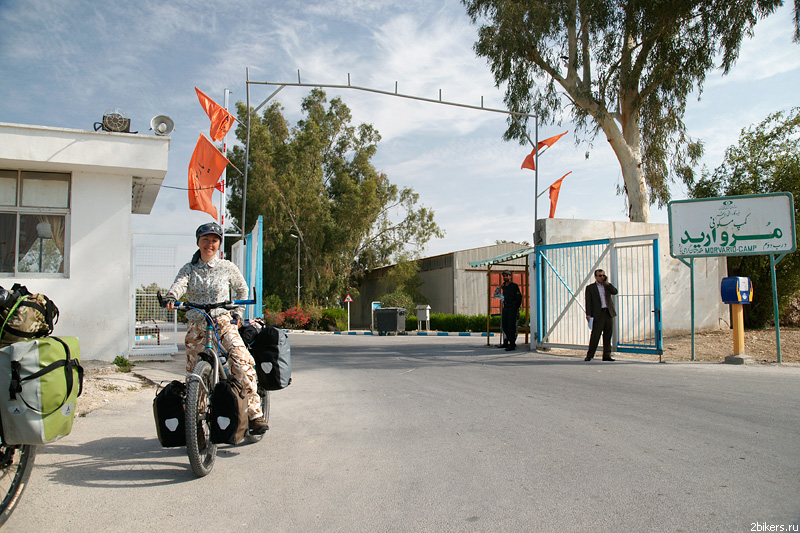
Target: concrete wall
pixel 438 287
pixel 94 299
pixel 710 312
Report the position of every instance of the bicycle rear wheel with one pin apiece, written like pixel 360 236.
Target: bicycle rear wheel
pixel 202 452
pixel 16 463
pixel 264 394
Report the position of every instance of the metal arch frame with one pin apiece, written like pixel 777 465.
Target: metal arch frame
pixel 299 83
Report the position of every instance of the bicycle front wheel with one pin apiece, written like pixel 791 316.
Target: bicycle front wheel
pixel 16 463
pixel 202 452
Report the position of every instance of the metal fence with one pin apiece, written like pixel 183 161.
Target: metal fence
pixel 562 272
pixel 638 328
pixel 154 330
pixel 249 257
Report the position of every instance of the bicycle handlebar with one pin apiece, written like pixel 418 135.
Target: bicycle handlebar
pixel 205 307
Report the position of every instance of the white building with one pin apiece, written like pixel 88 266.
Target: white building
pixel 66 200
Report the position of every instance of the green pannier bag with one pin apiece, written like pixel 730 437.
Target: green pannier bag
pixel 40 381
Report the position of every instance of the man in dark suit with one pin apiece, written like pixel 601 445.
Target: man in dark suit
pixel 512 300
pixel 600 313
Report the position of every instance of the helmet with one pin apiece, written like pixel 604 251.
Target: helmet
pixel 212 228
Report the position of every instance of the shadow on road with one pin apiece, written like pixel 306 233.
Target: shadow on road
pixel 116 462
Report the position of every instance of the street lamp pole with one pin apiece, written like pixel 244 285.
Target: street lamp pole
pixel 298 268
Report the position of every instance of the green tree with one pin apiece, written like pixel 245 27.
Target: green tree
pixel 398 299
pixel 766 160
pixel 623 67
pixel 404 278
pixel 316 180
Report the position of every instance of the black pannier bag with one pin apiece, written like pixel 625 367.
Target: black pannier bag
pixel 273 354
pixel 169 412
pixel 228 412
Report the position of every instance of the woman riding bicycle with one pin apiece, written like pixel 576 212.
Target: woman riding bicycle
pixel 207 279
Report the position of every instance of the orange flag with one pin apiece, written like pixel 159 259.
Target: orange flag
pixel 221 120
pixel 529 163
pixel 205 168
pixel 555 188
pixel 550 141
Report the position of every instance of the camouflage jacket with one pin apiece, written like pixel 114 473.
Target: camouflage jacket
pixel 209 283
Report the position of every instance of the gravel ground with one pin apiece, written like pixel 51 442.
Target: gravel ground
pixel 714 346
pixel 104 383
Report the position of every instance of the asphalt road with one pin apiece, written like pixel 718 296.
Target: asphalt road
pixel 446 434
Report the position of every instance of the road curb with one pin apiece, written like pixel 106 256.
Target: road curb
pixel 421 333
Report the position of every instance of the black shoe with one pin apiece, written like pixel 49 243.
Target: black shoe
pixel 589 358
pixel 258 426
pixel 502 345
pixel 511 347
pixel 609 358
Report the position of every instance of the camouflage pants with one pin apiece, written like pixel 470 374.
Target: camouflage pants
pixel 241 362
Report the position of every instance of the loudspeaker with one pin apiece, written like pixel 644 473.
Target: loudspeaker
pixel 162 125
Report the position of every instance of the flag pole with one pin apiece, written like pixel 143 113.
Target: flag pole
pixel 246 152
pixel 536 194
pixel 224 183
pixel 536 180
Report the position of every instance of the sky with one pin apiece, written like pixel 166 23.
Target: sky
pixel 64 64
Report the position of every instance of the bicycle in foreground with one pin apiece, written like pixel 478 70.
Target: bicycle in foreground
pixel 211 367
pixel 16 463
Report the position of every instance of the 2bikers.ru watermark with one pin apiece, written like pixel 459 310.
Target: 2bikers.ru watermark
pixel 763 526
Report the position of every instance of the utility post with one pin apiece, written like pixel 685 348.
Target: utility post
pixel 298 268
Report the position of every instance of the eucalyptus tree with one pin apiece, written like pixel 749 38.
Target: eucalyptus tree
pixel 316 187
pixel 623 67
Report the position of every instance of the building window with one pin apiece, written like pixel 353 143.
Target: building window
pixel 34 214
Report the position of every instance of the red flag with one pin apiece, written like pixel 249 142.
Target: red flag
pixel 555 188
pixel 205 168
pixel 221 120
pixel 529 161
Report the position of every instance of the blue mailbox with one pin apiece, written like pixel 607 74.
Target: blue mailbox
pixel 736 290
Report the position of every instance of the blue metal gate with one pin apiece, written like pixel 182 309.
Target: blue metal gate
pixel 562 272
pixel 248 256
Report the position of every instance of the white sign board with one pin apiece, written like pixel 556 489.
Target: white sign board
pixel 732 225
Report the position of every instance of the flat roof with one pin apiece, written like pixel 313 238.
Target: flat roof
pixel 142 158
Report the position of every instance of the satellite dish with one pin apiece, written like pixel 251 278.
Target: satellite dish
pixel 162 125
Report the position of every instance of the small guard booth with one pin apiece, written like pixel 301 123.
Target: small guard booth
pixel 519 265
